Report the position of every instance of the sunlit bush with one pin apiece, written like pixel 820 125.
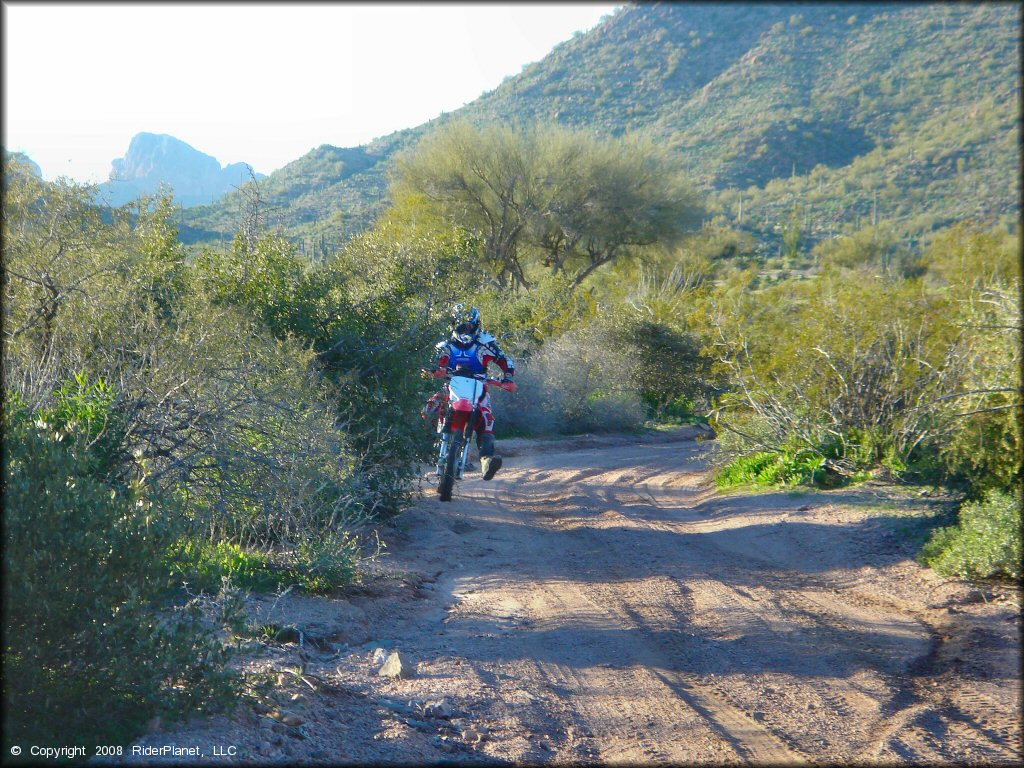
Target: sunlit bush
pixel 573 384
pixel 91 645
pixel 986 542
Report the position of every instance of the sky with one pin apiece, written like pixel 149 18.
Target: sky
pixel 257 83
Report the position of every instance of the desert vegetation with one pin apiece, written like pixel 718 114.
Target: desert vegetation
pixel 184 421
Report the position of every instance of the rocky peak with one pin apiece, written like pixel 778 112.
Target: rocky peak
pixel 154 159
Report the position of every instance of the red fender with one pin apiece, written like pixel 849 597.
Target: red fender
pixel 460 418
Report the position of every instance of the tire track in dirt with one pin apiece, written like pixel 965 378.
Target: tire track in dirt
pixel 600 601
pixel 798 607
pixel 813 609
pixel 903 700
pixel 651 665
pixel 608 693
pixel 751 740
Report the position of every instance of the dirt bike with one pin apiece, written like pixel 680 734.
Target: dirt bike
pixel 455 425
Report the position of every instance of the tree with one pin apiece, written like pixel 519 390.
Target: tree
pixel 483 181
pixel 59 258
pixel 606 198
pixel 547 198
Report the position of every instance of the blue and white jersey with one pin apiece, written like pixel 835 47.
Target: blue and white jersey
pixel 475 358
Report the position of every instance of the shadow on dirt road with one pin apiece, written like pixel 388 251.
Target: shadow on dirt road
pixel 599 601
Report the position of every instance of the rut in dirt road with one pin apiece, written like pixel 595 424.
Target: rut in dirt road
pixel 659 621
pixel 598 601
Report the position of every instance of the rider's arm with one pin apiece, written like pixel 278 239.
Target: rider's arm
pixel 440 359
pixel 499 358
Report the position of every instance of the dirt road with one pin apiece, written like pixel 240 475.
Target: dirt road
pixel 600 601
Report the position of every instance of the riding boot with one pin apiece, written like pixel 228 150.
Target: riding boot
pixel 489 463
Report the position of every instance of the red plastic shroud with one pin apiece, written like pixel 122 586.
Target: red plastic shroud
pixel 460 417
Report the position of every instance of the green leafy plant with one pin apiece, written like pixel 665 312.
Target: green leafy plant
pixel 985 542
pixel 317 564
pixel 326 563
pixel 91 642
pixel 770 469
pixel 203 566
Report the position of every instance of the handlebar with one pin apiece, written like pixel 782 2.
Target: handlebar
pixel 508 386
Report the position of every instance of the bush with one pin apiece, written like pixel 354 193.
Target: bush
pixel 878 370
pixel 679 410
pixel 986 542
pixel 835 461
pixel 614 369
pixel 768 468
pixel 981 447
pixel 203 566
pixel 323 563
pixel 202 368
pixel 87 406
pixel 665 365
pixel 92 650
pixel 243 434
pixel 572 385
pixel 526 319
pixel 317 564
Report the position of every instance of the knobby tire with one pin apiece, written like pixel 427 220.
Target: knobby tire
pixel 451 463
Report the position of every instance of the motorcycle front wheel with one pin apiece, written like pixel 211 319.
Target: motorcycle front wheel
pixel 450 469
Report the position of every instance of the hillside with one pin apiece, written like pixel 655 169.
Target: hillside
pixel 845 112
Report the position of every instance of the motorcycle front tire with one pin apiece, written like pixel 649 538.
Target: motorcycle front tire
pixel 451 464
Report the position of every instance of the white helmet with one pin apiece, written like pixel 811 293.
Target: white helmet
pixel 465 325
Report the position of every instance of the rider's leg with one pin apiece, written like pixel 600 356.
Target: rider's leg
pixel 489 462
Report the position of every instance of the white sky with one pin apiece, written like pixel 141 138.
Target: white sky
pixel 258 83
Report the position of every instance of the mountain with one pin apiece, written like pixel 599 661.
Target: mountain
pixel 25 160
pixel 155 159
pixel 831 115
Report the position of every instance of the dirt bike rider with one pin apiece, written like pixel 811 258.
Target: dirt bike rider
pixel 473 349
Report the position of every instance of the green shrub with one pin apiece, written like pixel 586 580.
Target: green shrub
pixel 549 309
pixel 609 374
pixel 680 410
pixel 986 450
pixel 769 468
pixel 85 406
pixel 665 364
pixel 384 305
pixel 572 385
pixel 748 470
pixel 92 649
pixel 914 369
pixel 986 542
pixel 317 564
pixel 203 566
pixel 825 465
pixel 324 563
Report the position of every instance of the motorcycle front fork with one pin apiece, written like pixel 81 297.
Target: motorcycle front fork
pixel 443 451
pixel 465 456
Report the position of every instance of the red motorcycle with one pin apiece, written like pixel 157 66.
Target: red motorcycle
pixel 455 424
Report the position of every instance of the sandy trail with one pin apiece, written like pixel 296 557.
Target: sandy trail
pixel 599 601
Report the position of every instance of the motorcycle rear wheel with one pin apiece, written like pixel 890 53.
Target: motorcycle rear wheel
pixel 451 463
